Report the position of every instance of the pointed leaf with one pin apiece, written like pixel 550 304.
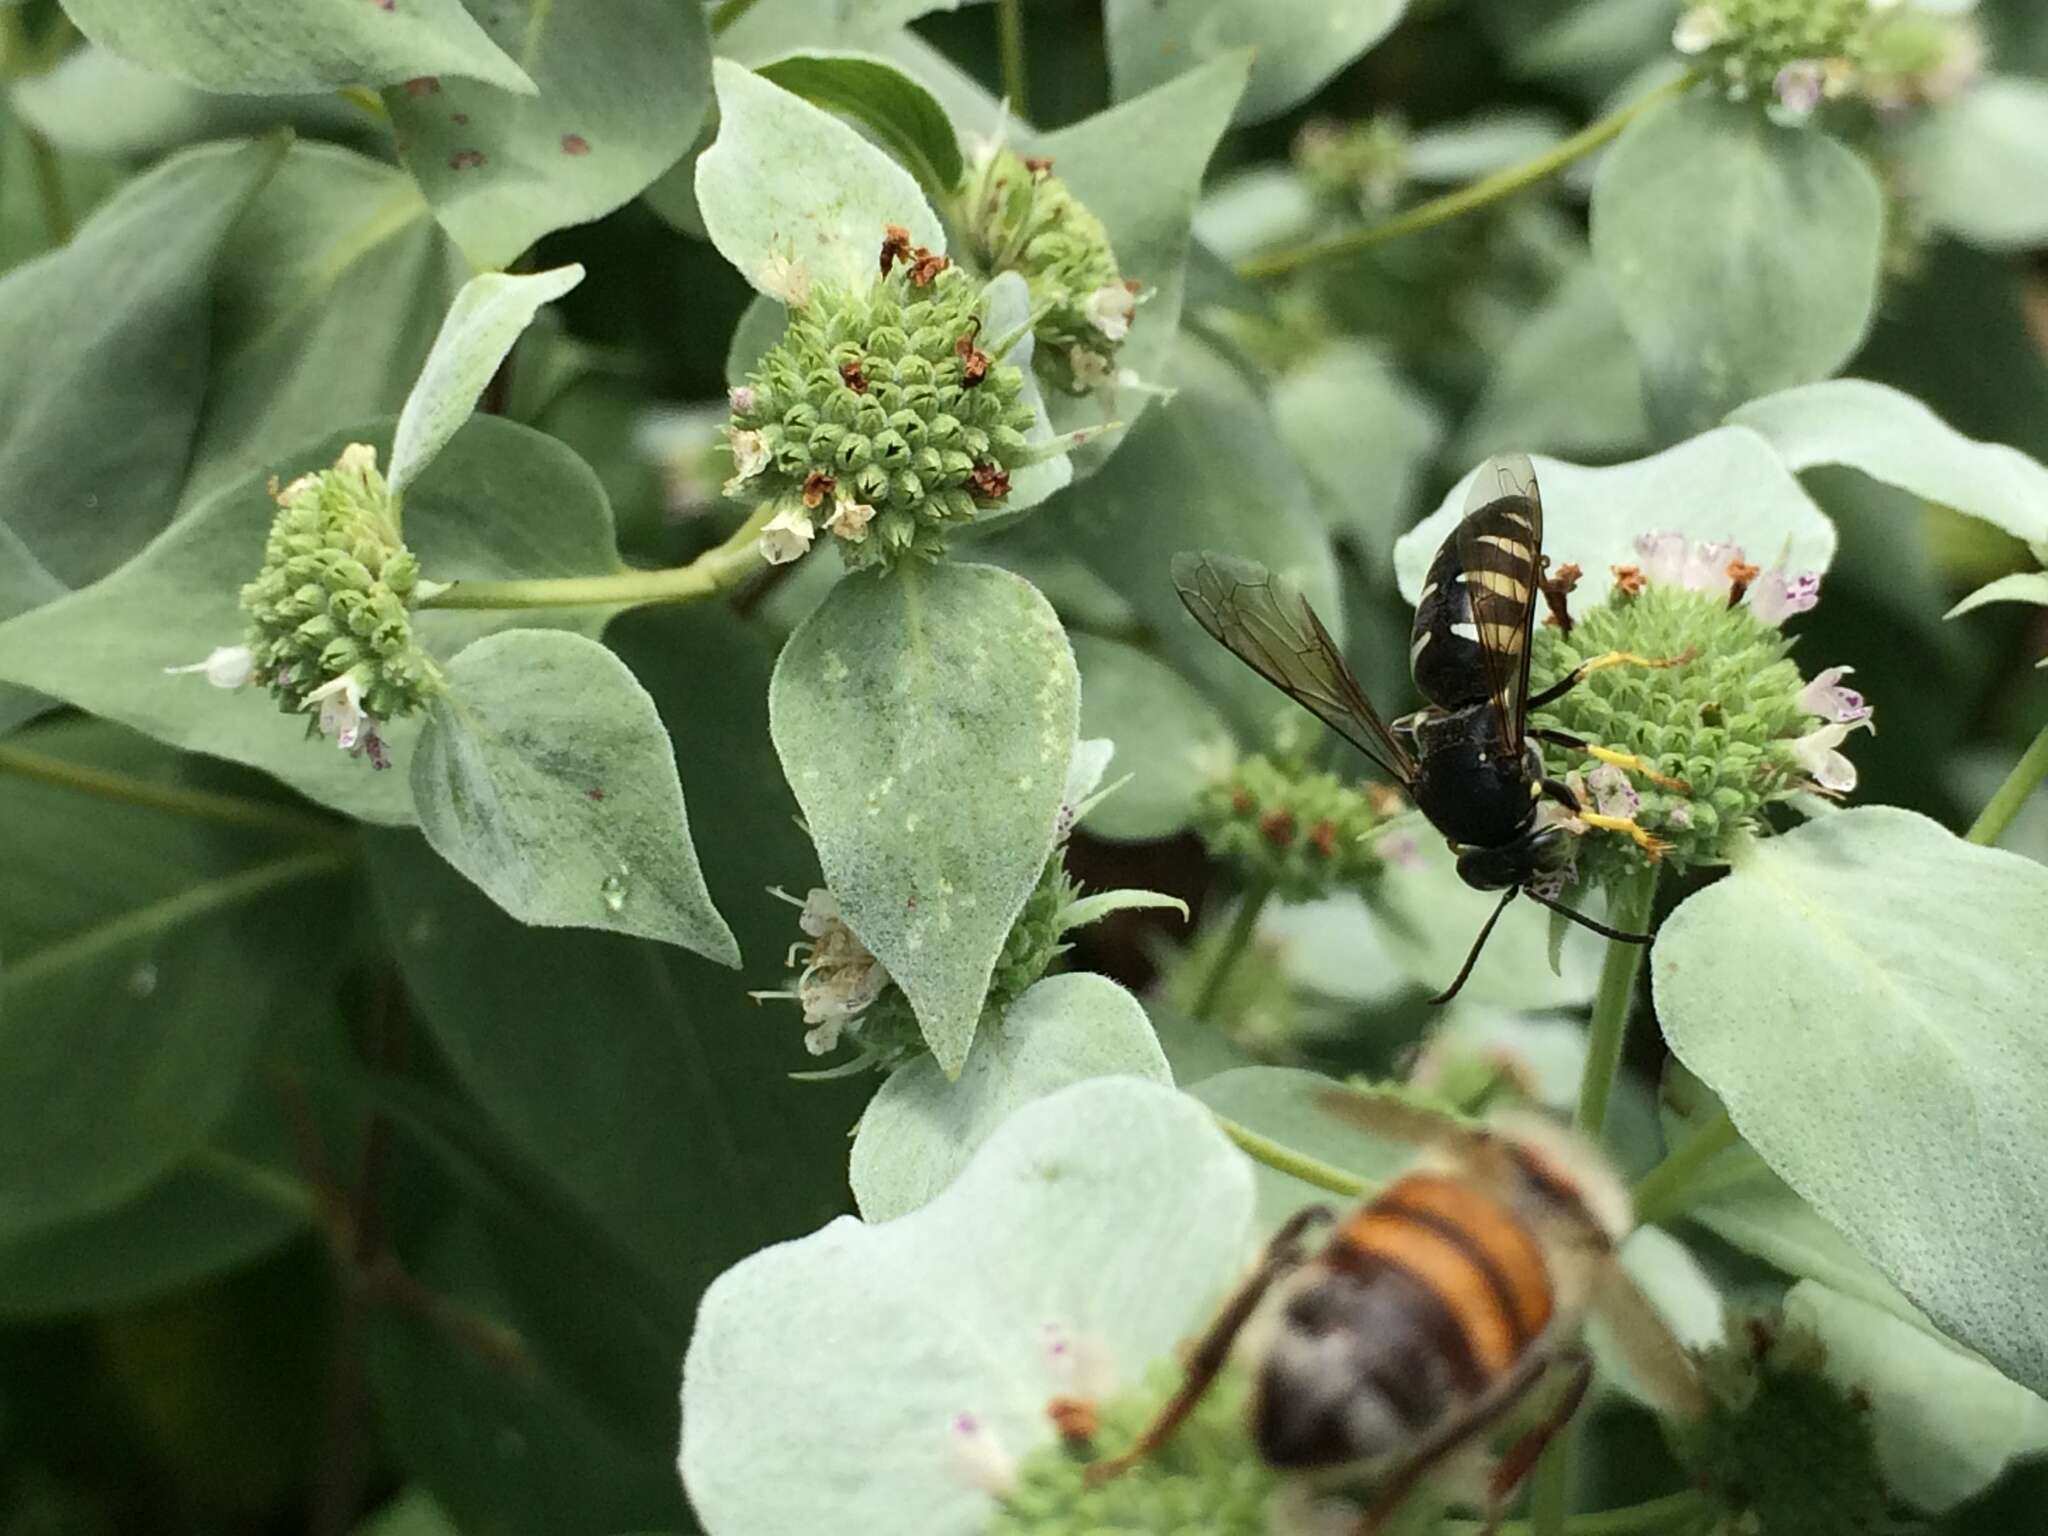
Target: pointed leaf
pixel 486 318
pixel 623 88
pixel 1744 256
pixel 545 776
pixel 2020 587
pixel 252 45
pixel 1297 45
pixel 905 116
pixel 785 180
pixel 925 719
pixel 1864 994
pixel 921 1129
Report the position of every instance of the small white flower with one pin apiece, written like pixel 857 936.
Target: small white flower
pixel 787 536
pixel 1612 793
pixel 1775 597
pixel 341 710
pixel 1816 753
pixel 226 666
pixel 1663 555
pixel 741 399
pixel 787 280
pixel 850 518
pixel 1699 29
pixel 749 456
pixel 1799 88
pixel 1109 310
pixel 1706 567
pixel 980 1458
pixel 1826 698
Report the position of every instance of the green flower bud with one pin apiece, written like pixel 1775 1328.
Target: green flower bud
pixel 329 613
pixel 1021 218
pixel 879 419
pixel 1357 164
pixel 1302 833
pixel 1784 1450
pixel 1205 1481
pixel 1034 939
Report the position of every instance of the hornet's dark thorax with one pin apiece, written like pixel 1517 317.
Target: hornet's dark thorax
pixel 1470 782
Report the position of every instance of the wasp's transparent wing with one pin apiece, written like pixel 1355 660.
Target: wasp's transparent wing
pixel 1500 547
pixel 1272 629
pixel 1392 1118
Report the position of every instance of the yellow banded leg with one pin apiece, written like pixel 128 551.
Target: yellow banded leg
pixel 1633 764
pixel 1585 669
pixel 1654 846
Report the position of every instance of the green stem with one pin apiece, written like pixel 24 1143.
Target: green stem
pixel 1667 1189
pixel 129 790
pixel 1550 1488
pixel 1235 942
pixel 1490 189
pixel 1283 1159
pixel 2025 778
pixel 728 12
pixel 1010 42
pixel 710 573
pixel 292 1197
pixel 1631 1520
pixel 1609 1030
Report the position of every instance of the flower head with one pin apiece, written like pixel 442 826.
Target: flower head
pixel 1305 833
pixel 330 613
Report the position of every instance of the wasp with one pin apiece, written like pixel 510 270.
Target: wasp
pixel 1434 1310
pixel 1469 758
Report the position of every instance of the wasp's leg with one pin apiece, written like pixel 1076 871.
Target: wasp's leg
pixel 1284 1254
pixel 1559 791
pixel 1624 760
pixel 1586 669
pixel 1651 844
pixel 1522 1456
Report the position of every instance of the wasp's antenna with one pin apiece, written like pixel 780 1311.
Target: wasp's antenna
pixel 1584 921
pixel 1478 944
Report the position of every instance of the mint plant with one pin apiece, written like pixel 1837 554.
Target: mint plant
pixel 629 905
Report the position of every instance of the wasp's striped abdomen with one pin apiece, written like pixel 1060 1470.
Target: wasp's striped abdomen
pixel 1420 1301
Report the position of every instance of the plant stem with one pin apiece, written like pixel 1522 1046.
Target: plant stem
pixel 1631 1520
pixel 1235 942
pixel 1286 1160
pixel 1490 189
pixel 129 790
pixel 2025 778
pixel 710 573
pixel 1010 42
pixel 15 64
pixel 728 12
pixel 1609 1029
pixel 1550 1488
pixel 1666 1190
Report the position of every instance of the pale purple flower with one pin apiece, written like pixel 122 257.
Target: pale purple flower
pixel 1775 597
pixel 1800 87
pixel 979 1456
pixel 741 398
pixel 1663 555
pixel 1706 566
pixel 1817 753
pixel 1612 793
pixel 1825 697
pixel 226 666
pixel 341 712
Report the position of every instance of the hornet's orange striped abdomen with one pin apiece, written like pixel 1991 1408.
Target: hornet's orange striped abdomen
pixel 1470 1251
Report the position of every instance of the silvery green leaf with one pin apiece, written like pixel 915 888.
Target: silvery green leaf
pixel 1169 739
pixel 1978 166
pixel 1947 1423
pixel 1743 256
pixel 1250 209
pixel 920 1130
pixel 545 776
pixel 486 318
pixel 1857 990
pixel 905 117
pixel 1892 437
pixel 787 187
pixel 104 648
pixel 252 45
pixel 623 86
pixel 1089 1235
pixel 1479 146
pixel 925 719
pixel 1364 436
pixel 1296 45
pixel 1727 484
pixel 2020 587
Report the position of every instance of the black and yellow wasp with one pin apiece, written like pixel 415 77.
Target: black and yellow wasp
pixel 1468 759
